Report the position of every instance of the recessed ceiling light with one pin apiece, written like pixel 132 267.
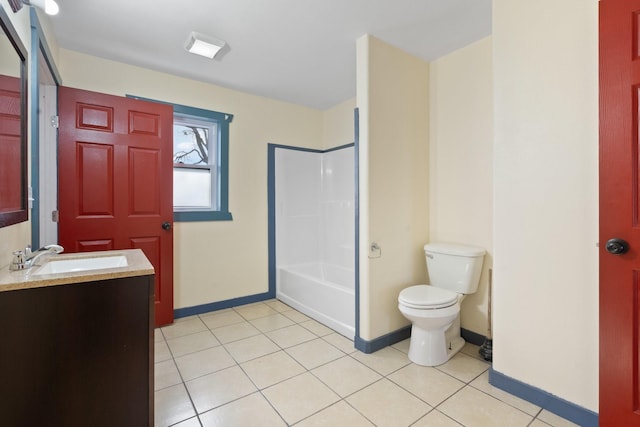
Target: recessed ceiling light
pixel 203 45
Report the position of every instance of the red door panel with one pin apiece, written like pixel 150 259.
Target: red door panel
pixel 10 173
pixel 619 212
pixel 93 245
pixel 94 117
pixel 115 181
pixel 10 145
pixel 95 180
pixel 145 196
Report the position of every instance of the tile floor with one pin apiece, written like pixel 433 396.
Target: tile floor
pixel 266 364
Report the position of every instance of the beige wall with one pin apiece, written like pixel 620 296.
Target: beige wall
pixel 545 195
pixel 16 236
pixel 460 161
pixel 338 124
pixel 214 261
pixel 393 98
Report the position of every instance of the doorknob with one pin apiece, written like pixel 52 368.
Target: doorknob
pixel 166 225
pixel 617 246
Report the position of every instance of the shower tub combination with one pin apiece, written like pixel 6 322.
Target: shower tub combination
pixel 322 291
pixel 315 234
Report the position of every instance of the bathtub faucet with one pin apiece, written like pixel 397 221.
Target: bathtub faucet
pixel 25 259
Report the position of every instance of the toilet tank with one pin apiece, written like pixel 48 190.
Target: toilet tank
pixel 453 266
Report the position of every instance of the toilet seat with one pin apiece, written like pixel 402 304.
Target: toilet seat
pixel 427 297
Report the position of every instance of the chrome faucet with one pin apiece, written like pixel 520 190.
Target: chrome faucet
pixel 25 259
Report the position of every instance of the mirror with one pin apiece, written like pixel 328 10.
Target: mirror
pixel 13 125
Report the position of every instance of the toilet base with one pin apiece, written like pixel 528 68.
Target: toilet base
pixel 433 348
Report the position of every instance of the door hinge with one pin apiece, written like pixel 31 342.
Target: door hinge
pixel 55 216
pixel 55 122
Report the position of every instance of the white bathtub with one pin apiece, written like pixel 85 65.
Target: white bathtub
pixel 322 291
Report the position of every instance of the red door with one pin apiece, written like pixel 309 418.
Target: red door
pixel 115 181
pixel 619 213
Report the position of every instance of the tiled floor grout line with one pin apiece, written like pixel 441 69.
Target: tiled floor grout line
pixel 258 389
pixel 433 407
pixel 280 348
pixel 342 399
pixel 383 376
pixel 440 412
pixel 197 416
pixel 468 384
pixel 536 417
pixel 284 349
pixel 317 336
pixel 184 383
pixel 309 371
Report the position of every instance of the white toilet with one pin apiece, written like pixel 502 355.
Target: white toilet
pixel 434 310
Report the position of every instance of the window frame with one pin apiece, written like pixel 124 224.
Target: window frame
pixel 222 168
pixel 211 168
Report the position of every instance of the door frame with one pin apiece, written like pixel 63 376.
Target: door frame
pixel 39 153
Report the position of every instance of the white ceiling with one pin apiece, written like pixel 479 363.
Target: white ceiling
pixel 299 51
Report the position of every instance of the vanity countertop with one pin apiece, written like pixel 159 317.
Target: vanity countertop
pixel 137 265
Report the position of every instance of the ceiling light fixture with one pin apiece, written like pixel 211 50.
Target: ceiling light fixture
pixel 50 7
pixel 203 45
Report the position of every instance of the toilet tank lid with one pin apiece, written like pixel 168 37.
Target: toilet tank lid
pixel 454 249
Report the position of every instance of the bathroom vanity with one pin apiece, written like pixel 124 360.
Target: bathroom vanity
pixel 77 346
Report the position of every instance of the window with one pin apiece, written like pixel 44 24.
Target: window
pixel 200 164
pixel 193 164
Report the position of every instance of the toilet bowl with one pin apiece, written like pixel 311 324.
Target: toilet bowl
pixel 434 309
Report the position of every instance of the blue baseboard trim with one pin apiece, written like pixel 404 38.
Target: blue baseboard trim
pixel 548 401
pixel 404 333
pixel 219 305
pixel 383 341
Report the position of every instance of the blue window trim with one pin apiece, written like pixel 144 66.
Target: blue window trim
pixel 194 216
pixel 223 120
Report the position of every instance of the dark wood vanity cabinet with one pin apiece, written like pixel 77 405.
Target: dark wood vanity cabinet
pixel 78 354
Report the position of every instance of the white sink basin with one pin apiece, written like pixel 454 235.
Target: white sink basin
pixel 57 266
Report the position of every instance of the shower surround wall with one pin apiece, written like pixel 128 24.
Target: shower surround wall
pixel 315 233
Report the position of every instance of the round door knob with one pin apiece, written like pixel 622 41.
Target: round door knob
pixel 617 246
pixel 166 225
